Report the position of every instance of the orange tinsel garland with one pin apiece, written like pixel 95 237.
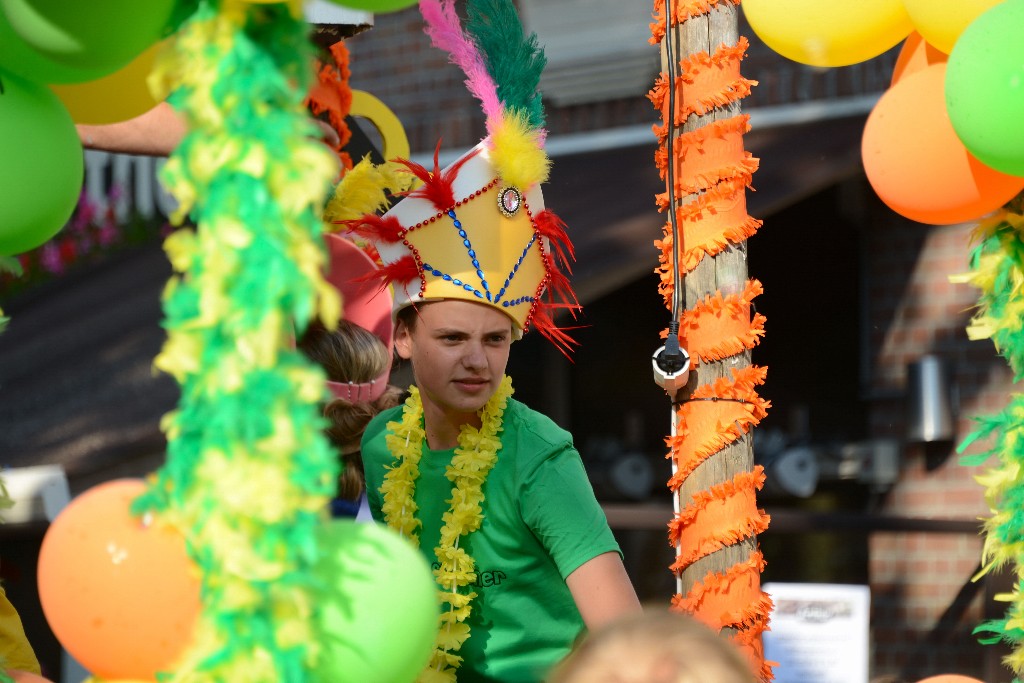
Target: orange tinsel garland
pixel 721 326
pixel 710 172
pixel 713 603
pixel 716 416
pixel 331 95
pixel 720 516
pixel 705 82
pixel 683 11
pixel 707 156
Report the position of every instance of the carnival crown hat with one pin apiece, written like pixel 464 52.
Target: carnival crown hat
pixel 478 230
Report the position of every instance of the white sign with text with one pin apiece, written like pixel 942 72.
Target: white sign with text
pixel 818 632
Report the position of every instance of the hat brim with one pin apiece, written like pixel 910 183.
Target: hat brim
pixel 366 301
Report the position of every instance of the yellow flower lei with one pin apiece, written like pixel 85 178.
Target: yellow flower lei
pixel 474 457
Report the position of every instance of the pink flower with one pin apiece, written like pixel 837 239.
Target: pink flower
pixel 50 259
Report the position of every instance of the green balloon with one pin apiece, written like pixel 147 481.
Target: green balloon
pixel 69 41
pixel 382 6
pixel 40 166
pixel 377 608
pixel 985 87
pixel 18 57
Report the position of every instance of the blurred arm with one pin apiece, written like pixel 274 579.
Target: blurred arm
pixel 602 590
pixel 155 132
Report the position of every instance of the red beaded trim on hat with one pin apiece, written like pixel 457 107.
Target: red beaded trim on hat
pixel 440 214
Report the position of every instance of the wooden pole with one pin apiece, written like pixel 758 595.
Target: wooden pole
pixel 725 272
pixel 718 564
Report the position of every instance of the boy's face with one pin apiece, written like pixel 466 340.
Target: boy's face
pixel 459 350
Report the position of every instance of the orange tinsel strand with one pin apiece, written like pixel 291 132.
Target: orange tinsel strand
pixel 724 599
pixel 721 326
pixel 705 81
pixel 752 647
pixel 720 516
pixel 331 95
pixel 709 155
pixel 684 10
pixel 708 426
pixel 708 233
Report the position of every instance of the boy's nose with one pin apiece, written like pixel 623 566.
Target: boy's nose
pixel 475 357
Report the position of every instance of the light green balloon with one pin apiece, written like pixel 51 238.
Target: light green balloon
pixel 377 608
pixel 18 57
pixel 70 41
pixel 382 6
pixel 40 164
pixel 985 88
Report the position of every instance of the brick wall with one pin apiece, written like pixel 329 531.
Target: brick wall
pixel 396 62
pixel 924 604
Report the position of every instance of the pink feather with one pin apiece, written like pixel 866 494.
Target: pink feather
pixel 445 31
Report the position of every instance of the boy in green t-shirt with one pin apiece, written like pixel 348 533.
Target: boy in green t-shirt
pixel 494 493
pixel 544 562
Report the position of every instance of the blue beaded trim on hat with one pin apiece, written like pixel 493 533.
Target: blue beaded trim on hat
pixel 486 293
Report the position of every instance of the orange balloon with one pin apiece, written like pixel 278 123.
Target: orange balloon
pixel 950 678
pixel 119 593
pixel 26 677
pixel 916 163
pixel 915 55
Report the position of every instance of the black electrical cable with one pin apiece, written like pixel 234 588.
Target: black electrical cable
pixel 671 358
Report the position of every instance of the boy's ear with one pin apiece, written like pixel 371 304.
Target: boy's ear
pixel 403 340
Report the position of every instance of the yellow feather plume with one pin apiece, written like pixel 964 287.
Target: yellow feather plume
pixel 518 154
pixel 364 189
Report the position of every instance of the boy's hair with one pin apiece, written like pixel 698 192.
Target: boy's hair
pixel 656 646
pixel 407 316
pixel 349 354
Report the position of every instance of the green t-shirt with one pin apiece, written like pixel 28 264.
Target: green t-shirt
pixel 541 522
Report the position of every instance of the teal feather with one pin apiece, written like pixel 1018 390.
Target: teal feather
pixel 514 60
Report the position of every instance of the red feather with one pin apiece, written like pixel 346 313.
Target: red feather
pixel 374 275
pixel 374 227
pixel 540 318
pixel 437 186
pixel 549 225
pixel 560 289
pixel 403 270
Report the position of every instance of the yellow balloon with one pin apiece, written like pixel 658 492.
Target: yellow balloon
pixel 119 96
pixel 828 33
pixel 940 22
pixel 395 141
